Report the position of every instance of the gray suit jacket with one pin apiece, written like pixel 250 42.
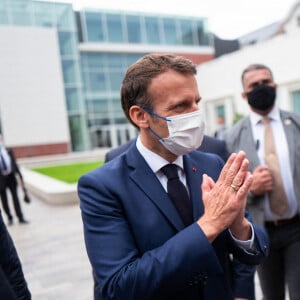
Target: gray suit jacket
pixel 240 137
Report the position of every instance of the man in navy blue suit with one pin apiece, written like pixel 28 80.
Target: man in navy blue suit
pixel 139 244
pixel 242 274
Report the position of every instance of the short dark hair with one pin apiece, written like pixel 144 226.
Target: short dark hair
pixel 134 90
pixel 253 67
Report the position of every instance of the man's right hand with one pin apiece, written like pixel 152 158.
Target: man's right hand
pixel 225 200
pixel 262 180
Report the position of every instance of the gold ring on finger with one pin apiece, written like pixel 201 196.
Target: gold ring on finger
pixel 234 187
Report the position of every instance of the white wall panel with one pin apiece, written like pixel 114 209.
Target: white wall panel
pixel 32 101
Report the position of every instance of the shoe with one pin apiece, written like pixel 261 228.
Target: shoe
pixel 23 221
pixel 10 222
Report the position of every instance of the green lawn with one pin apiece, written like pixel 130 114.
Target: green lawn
pixel 69 173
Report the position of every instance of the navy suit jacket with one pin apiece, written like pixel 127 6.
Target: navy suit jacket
pixel 137 243
pixel 242 274
pixel 14 171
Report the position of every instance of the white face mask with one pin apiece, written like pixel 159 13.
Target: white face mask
pixel 186 132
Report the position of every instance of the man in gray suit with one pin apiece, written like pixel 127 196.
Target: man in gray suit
pixel 282 267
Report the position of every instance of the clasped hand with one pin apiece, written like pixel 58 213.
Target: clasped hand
pixel 225 200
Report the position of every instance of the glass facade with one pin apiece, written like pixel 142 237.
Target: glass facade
pixel 92 79
pixel 109 27
pixel 103 72
pixel 102 76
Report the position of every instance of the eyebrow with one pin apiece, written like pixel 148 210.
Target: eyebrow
pixel 264 81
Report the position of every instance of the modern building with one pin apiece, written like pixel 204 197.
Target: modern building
pixel 277 46
pixel 61 71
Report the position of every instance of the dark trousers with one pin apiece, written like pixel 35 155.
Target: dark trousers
pixel 282 267
pixel 6 290
pixel 10 183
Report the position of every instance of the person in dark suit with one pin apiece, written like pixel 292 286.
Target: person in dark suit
pixel 243 275
pixel 281 269
pixel 8 171
pixel 140 243
pixel 13 285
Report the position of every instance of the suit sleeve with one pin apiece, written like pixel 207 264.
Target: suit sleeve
pixel 14 164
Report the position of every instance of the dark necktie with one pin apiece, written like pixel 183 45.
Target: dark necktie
pixel 277 197
pixel 3 163
pixel 178 194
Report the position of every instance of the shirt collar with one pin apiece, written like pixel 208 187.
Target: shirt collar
pixel 155 161
pixel 255 118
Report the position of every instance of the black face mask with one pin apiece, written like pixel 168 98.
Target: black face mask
pixel 262 97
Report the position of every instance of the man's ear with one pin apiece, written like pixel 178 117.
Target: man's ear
pixel 244 96
pixel 139 117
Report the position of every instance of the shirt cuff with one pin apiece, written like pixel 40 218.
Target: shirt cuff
pixel 245 245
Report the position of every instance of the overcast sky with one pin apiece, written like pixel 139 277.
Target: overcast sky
pixel 227 18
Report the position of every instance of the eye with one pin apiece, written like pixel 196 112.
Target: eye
pixel 266 81
pixel 254 85
pixel 180 105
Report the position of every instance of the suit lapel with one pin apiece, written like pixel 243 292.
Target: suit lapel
pixel 290 132
pixel 146 180
pixel 247 142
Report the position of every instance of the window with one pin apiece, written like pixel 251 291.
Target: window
pixel 133 29
pixel 43 15
pixel 70 72
pixel 186 28
pixel 67 43
pixel 152 30
pixel 77 133
pixel 64 17
pixel 72 96
pixel 170 31
pixel 93 61
pixel 296 101
pixel 95 81
pixel 94 27
pixel 202 33
pixel 115 28
pixel 21 13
